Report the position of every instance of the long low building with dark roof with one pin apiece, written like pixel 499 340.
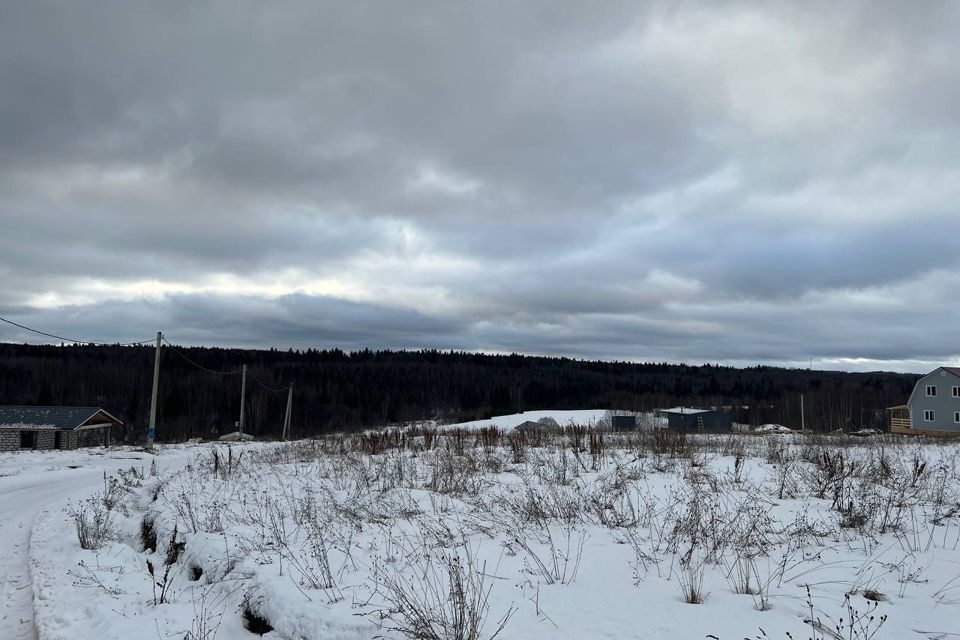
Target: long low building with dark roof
pixel 54 427
pixel 692 419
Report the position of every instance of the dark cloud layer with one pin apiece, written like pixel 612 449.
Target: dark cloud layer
pixel 702 181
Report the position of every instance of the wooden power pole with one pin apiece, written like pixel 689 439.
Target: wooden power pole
pixel 286 418
pixel 152 428
pixel 243 399
pixel 803 422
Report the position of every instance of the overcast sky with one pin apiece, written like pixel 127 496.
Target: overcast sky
pixel 735 182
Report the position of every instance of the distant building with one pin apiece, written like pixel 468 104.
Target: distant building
pixel 690 419
pixel 236 436
pixel 934 404
pixel 529 425
pixel 54 427
pixel 623 423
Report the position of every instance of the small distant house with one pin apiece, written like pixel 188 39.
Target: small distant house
pixel 529 425
pixel 236 436
pixel 690 419
pixel 54 427
pixel 933 406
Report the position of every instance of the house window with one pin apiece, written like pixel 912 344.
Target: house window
pixel 956 392
pixel 956 417
pixel 931 391
pixel 28 439
pixel 929 415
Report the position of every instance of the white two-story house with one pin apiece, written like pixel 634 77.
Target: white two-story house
pixel 934 404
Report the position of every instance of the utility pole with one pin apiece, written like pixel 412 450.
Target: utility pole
pixel 803 423
pixel 243 399
pixel 286 418
pixel 152 428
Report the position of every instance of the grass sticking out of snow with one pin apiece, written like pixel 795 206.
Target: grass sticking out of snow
pixel 559 533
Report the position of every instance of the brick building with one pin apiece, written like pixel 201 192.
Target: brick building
pixel 54 427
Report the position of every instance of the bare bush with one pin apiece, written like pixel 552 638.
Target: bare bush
pixel 208 612
pixel 518 446
pixel 853 624
pixel 690 578
pixel 672 443
pixel 161 584
pixel 555 558
pixel 225 466
pixel 452 473
pixel 93 522
pixel 445 597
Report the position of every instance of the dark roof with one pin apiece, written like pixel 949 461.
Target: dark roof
pixel 50 417
pixel 954 370
pixel 529 424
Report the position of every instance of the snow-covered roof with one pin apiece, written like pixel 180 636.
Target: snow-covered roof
pixel 37 418
pixel 21 426
pixel 773 428
pixel 235 436
pixel 685 410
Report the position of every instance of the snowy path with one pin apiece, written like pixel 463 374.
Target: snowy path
pixel 38 485
pixel 19 505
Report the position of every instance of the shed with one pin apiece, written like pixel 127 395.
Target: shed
pixel 529 425
pixel 54 427
pixel 236 436
pixel 692 419
pixel 623 423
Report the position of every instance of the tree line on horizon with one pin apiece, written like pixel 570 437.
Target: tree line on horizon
pixel 338 390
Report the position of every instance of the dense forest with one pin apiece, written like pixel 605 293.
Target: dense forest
pixel 336 390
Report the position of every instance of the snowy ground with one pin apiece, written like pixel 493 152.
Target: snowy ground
pixel 32 482
pixel 549 536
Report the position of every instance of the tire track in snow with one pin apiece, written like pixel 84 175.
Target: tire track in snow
pixel 22 498
pixel 16 594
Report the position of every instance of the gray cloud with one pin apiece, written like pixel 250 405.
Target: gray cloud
pixel 704 181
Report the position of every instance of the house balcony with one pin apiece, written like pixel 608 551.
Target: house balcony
pixel 900 419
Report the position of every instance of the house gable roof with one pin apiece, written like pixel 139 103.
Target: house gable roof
pixel 954 371
pixel 22 417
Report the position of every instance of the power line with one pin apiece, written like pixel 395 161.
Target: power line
pixel 156 372
pixel 50 335
pixel 222 373
pixel 200 366
pixel 271 389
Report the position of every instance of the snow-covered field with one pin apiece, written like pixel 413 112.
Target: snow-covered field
pixel 536 535
pixel 560 416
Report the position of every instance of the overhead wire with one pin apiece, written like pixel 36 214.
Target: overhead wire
pixel 93 342
pixel 141 342
pixel 271 389
pixel 224 373
pixel 199 366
